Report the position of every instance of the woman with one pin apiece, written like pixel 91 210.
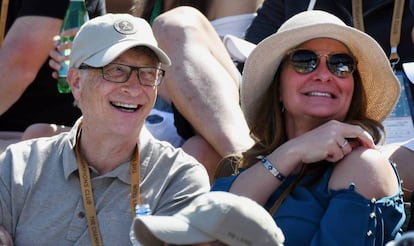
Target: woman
pixel 314 95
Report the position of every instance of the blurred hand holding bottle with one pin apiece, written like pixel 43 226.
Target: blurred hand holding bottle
pixel 75 16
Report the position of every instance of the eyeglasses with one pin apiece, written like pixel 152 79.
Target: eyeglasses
pixel 120 73
pixel 305 61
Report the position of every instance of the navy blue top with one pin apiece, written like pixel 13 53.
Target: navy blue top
pixel 318 216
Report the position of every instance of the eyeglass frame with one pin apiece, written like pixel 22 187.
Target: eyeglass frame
pixel 157 81
pixel 290 53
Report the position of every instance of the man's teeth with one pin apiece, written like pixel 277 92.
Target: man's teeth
pixel 125 106
pixel 320 94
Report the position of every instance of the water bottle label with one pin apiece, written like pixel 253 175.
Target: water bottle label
pixel 142 209
pixel 63 72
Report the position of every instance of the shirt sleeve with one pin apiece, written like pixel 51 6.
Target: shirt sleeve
pixel 350 220
pixel 5 192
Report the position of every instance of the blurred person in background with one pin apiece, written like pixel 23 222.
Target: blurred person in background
pixel 28 92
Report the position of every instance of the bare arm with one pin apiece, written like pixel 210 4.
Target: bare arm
pixel 369 170
pixel 118 6
pixel 26 47
pixel 203 90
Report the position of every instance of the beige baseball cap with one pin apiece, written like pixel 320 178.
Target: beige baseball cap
pixel 102 39
pixel 217 215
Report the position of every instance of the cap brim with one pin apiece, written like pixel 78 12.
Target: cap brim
pixel 154 230
pixel 105 56
pixel 408 68
pixel 379 82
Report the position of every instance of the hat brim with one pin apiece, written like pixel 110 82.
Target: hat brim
pixel 381 86
pixel 107 55
pixel 154 230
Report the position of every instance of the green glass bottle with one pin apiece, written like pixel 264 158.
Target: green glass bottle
pixel 75 16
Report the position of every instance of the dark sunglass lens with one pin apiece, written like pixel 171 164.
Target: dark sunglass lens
pixel 341 65
pixel 304 61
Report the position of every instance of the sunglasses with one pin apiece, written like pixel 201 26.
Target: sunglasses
pixel 305 61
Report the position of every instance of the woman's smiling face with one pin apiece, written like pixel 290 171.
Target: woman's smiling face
pixel 318 94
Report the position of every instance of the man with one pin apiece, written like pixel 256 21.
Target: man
pixel 81 187
pixel 28 93
pixel 202 90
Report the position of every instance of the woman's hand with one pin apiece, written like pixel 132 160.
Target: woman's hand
pixel 330 141
pixel 56 54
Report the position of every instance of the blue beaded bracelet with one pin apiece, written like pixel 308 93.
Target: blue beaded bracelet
pixel 268 165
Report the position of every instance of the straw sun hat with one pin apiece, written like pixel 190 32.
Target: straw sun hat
pixel 381 86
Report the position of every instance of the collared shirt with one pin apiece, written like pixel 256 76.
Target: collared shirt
pixel 40 193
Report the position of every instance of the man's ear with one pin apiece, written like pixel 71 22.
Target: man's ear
pixel 74 81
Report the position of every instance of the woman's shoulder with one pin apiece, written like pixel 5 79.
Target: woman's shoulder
pixel 371 172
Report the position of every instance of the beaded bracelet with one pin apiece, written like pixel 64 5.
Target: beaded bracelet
pixel 268 165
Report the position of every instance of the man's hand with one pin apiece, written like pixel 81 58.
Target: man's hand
pixel 56 56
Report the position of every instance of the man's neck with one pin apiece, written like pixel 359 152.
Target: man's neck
pixel 105 154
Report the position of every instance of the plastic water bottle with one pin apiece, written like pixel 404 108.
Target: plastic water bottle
pixel 140 210
pixel 75 16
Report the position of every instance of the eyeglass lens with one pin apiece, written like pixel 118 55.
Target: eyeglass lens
pixel 306 61
pixel 120 73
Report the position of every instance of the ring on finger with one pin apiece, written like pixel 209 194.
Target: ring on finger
pixel 343 144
